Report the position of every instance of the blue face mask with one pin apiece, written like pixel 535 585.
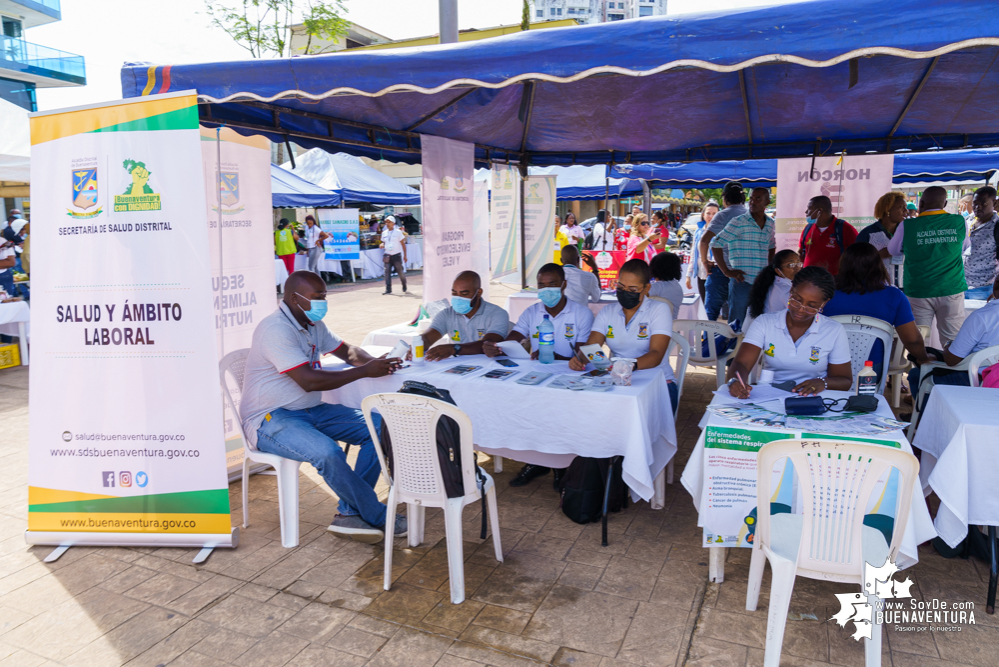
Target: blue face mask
pixel 550 296
pixel 317 309
pixel 461 305
pixel 811 221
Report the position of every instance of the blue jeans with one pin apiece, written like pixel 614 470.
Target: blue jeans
pixel 674 395
pixel 716 289
pixel 738 301
pixel 311 436
pixel 7 282
pixel 980 293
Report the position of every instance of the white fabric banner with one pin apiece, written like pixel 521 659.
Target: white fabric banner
pixel 480 235
pixel 853 183
pixel 539 224
pixel 504 221
pixel 243 290
pixel 126 440
pixel 448 168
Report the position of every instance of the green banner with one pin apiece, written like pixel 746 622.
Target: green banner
pixel 740 440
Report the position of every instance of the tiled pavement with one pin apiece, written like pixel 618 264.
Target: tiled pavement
pixel 558 598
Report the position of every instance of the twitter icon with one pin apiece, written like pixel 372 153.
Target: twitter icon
pixel 141 479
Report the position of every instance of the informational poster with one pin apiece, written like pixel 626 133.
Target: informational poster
pixel 480 235
pixel 853 183
pixel 344 227
pixel 126 439
pixel 539 224
pixel 448 190
pixel 608 262
pixel 237 182
pixel 504 221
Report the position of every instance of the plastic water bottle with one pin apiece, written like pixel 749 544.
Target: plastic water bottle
pixel 867 380
pixel 546 341
pixel 418 350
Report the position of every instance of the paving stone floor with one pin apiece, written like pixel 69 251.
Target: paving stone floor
pixel 559 598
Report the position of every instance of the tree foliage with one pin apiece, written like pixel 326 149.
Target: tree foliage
pixel 525 17
pixel 263 27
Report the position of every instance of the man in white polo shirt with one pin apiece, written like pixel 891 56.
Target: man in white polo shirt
pixel 394 243
pixel 283 412
pixel 581 286
pixel 470 321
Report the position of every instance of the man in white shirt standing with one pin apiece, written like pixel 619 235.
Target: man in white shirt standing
pixel 394 243
pixel 603 231
pixel 581 286
pixel 314 243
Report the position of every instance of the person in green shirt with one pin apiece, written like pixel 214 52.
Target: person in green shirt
pixel 932 244
pixel 284 244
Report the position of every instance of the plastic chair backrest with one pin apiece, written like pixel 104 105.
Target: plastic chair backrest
pixel 663 300
pixel 234 364
pixel 979 360
pixel 699 327
pixel 682 359
pixel 924 331
pixel 836 480
pixel 862 331
pixel 412 421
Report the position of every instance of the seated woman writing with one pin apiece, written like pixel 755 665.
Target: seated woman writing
pixel 636 327
pixel 797 343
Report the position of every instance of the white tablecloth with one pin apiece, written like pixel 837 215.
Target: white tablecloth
pixel 508 418
pixel 15 320
pixel 958 435
pixel 372 266
pixel 389 336
pixel 970 306
pixel 918 526
pixel 280 273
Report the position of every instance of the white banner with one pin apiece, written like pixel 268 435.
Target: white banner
pixel 448 189
pixel 126 411
pixel 539 224
pixel 853 183
pixel 243 290
pixel 480 235
pixel 504 221
pixel 344 228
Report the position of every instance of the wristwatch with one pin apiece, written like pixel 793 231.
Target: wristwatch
pixel 457 349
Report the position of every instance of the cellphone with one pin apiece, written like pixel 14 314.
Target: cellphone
pixel 596 372
pixel 506 362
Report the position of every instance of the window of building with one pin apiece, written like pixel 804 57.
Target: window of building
pixel 552 11
pixel 560 11
pixel 645 11
pixel 541 13
pixel 21 93
pixel 11 27
pixel 615 17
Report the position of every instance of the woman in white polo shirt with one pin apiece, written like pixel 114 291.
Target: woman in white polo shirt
pixel 797 343
pixel 636 327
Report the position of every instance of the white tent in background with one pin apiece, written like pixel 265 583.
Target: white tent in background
pixel 15 144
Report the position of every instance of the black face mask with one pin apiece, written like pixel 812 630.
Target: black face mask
pixel 628 300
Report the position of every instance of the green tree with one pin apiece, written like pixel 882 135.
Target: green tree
pixel 525 17
pixel 263 27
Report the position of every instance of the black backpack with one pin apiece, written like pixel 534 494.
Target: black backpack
pixel 448 445
pixel 582 489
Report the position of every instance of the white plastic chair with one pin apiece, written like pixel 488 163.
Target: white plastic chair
pixel 700 327
pixel 663 299
pixel 234 364
pixel 412 421
pixel 828 540
pixel 899 365
pixel 972 363
pixel 862 331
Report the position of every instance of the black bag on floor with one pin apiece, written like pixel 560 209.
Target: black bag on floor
pixel 582 489
pixel 448 445
pixel 975 544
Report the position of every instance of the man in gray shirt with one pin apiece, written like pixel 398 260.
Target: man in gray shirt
pixel 283 412
pixel 716 287
pixel 469 321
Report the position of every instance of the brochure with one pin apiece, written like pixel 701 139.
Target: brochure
pixel 533 378
pixel 499 374
pixel 462 370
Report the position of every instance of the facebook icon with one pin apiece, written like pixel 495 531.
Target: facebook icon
pixel 108 477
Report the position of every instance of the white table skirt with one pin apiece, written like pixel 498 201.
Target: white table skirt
pixel 15 320
pixel 957 433
pixel 372 266
pixel 918 526
pixel 280 273
pixel 389 336
pixel 514 420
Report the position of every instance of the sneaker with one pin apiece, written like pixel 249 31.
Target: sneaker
pixel 403 289
pixel 355 528
pixel 386 292
pixel 401 526
pixel 527 473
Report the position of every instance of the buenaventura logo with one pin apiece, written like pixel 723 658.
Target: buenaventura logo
pixel 138 195
pixel 881 603
pixel 228 184
pixel 533 197
pixel 85 193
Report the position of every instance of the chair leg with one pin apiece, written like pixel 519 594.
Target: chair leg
pixel 872 646
pixel 607 487
pixel 287 474
pixel 756 564
pixel 246 490
pixel 719 373
pixel 990 601
pixel 390 508
pixel 781 585
pixel 455 549
pixel 493 508
pixel 896 391
pixel 416 517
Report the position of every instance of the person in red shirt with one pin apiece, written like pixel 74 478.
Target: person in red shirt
pixel 825 236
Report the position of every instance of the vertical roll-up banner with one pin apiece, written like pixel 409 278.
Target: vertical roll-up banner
pixel 504 221
pixel 448 190
pixel 237 182
pixel 853 183
pixel 126 440
pixel 344 228
pixel 480 235
pixel 539 224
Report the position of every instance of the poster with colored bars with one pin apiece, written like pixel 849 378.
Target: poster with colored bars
pixel 504 222
pixel 539 224
pixel 237 185
pixel 126 436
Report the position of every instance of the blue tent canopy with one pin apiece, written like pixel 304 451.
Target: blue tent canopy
pixel 579 182
pixel 353 180
pixel 966 165
pixel 798 79
pixel 291 191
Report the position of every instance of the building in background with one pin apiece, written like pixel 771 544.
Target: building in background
pixel 595 11
pixel 357 36
pixel 25 66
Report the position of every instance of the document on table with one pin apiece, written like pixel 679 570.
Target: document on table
pixel 760 393
pixel 513 349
